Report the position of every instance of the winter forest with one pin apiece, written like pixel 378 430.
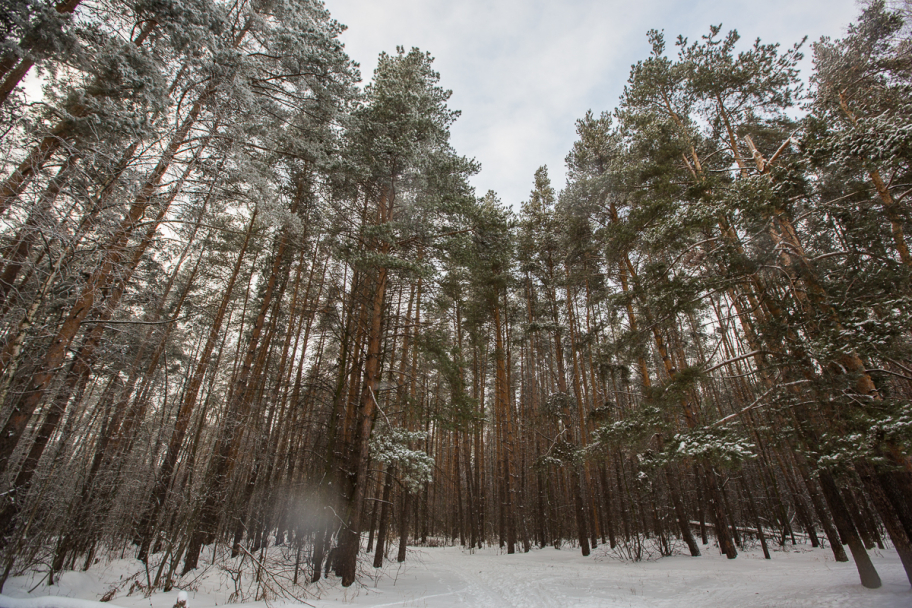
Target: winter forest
pixel 254 317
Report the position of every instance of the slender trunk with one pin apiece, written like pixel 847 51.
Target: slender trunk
pixel 82 363
pixel 97 284
pixel 901 540
pixel 384 518
pixel 28 235
pixel 404 513
pixel 503 408
pixel 351 532
pixel 843 521
pixel 188 403
pixel 236 412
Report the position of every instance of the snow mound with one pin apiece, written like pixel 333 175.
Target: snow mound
pixel 51 601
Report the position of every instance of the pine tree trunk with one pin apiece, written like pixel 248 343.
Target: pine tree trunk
pixel 830 530
pixel 82 363
pixel 901 541
pixel 502 408
pixel 404 513
pixel 95 287
pixel 351 532
pixel 188 403
pixel 29 233
pixel 384 518
pixel 236 412
pixel 843 521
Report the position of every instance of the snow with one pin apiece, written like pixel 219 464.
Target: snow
pixel 547 578
pixel 50 601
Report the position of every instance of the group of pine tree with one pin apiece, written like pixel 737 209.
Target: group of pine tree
pixel 245 302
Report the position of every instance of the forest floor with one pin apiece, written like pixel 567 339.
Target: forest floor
pixel 547 578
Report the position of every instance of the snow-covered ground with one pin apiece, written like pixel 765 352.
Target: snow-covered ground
pixel 547 578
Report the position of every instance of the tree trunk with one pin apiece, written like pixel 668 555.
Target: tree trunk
pixel 384 518
pixel 97 284
pixel 843 521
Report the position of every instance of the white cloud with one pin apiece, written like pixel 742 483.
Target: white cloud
pixel 523 71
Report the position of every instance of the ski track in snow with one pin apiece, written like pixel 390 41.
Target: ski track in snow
pixel 452 577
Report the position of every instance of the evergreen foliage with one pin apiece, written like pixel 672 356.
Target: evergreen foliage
pixel 243 298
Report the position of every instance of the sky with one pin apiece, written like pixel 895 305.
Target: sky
pixel 523 71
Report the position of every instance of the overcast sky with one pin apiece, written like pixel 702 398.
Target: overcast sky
pixel 522 71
